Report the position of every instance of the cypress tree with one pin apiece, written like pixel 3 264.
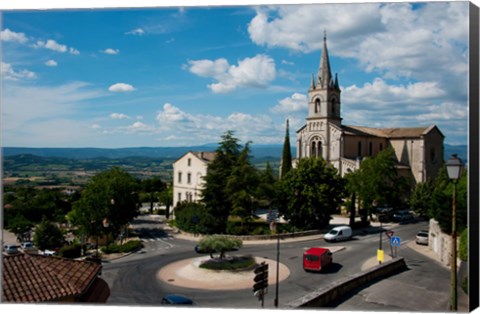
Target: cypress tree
pixel 287 155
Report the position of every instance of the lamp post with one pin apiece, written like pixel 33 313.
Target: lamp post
pixel 454 168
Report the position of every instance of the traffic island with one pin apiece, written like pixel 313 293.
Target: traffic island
pixel 187 273
pixel 326 295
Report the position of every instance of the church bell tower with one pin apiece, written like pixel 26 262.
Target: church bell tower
pixel 324 92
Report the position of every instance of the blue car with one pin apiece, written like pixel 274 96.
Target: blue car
pixel 175 299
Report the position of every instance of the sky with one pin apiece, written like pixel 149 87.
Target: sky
pixel 180 76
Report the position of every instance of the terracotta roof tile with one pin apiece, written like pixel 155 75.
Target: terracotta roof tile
pixel 36 278
pixel 387 132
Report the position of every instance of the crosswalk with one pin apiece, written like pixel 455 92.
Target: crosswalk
pixel 156 239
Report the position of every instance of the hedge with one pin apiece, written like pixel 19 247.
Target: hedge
pixel 129 246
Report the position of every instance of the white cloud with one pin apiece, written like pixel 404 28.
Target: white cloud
pixel 250 72
pixel 444 111
pixel 171 113
pixel 121 87
pixel 119 116
pixel 297 102
pixel 8 73
pixel 137 31
pixel 380 94
pixel 51 63
pixel 396 40
pixel 139 127
pixel 95 126
pixel 111 51
pixel 8 35
pixel 54 46
pixel 73 51
pixel 48 118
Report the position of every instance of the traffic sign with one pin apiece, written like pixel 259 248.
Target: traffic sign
pixel 389 233
pixel 395 241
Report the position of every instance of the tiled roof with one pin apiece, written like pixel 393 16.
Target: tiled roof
pixel 387 132
pixel 36 278
pixel 207 156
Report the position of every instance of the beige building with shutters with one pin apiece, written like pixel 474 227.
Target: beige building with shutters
pixel 188 176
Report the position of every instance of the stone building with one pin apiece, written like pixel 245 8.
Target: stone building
pixel 419 150
pixel 188 175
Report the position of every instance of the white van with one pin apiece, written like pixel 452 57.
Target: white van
pixel 338 234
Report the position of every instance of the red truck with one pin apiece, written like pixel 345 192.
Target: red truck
pixel 316 258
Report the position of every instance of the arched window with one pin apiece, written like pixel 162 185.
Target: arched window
pixel 316 148
pixel 334 106
pixel 317 105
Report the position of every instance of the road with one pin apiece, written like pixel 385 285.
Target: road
pixel 133 279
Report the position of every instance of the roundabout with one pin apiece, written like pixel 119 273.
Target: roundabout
pixel 187 273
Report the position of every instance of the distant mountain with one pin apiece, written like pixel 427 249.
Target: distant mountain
pixel 258 151
pixel 460 150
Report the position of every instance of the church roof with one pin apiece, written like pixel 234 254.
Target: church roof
pixel 390 133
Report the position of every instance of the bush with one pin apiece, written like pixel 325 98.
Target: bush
pixel 71 251
pixel 463 247
pixel 234 263
pixel 129 246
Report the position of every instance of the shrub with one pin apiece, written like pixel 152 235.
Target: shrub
pixel 234 263
pixel 71 251
pixel 129 246
pixel 463 247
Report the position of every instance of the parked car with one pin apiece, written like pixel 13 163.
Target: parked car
pixel 338 234
pixel 28 247
pixel 175 299
pixel 49 253
pixel 422 237
pixel 402 215
pixel 316 259
pixel 11 249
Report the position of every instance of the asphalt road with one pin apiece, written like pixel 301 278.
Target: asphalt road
pixel 133 279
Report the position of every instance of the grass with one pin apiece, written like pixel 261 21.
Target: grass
pixel 233 263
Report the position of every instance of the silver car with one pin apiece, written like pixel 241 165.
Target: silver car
pixel 11 249
pixel 422 237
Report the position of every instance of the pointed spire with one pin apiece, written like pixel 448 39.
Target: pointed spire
pixel 336 82
pixel 324 73
pixel 312 84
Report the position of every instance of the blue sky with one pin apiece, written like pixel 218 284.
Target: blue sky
pixel 179 76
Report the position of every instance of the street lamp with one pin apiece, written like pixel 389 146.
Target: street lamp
pixel 454 168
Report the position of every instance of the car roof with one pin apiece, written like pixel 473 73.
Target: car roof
pixel 316 250
pixel 178 299
pixel 341 228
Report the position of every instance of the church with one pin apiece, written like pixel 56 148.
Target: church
pixel 419 150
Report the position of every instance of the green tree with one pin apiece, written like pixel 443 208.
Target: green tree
pixel 219 244
pixel 48 236
pixel 21 227
pixel 310 193
pixel 286 154
pixel 266 192
pixel 242 186
pixel 166 198
pixel 442 198
pixel 421 199
pixel 214 194
pixel 192 217
pixel 109 197
pixel 378 180
pixel 152 186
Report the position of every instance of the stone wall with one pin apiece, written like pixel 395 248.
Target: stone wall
pixel 440 243
pixel 336 289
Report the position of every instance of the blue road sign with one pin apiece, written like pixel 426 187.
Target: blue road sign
pixel 395 241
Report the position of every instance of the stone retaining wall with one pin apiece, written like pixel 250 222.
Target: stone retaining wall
pixel 326 295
